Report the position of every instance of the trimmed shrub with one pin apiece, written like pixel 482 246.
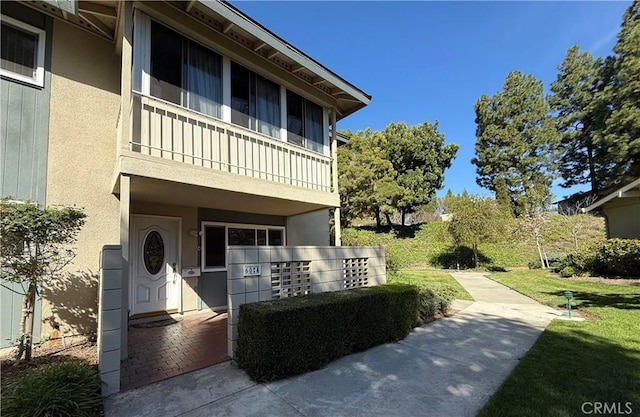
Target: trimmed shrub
pixel 285 337
pixel 535 264
pixel 558 261
pixel 58 389
pixel 584 259
pixel 618 257
pixel 568 272
pixel 434 300
pixel 495 268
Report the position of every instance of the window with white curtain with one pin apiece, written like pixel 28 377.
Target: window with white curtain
pixel 185 72
pixel 255 101
pixel 304 122
pixel 22 51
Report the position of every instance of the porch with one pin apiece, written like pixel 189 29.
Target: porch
pixel 254 274
pixel 164 347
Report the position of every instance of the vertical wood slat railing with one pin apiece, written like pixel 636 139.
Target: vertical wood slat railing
pixel 169 131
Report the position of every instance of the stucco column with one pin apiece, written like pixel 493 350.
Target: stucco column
pixel 125 204
pixel 124 131
pixel 334 173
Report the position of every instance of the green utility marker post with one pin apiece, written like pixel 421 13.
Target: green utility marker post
pixel 568 295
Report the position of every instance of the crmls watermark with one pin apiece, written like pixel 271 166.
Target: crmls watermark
pixel 607 408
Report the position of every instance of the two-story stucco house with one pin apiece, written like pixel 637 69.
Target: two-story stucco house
pixel 182 128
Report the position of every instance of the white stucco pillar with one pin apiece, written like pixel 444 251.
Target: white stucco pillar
pixel 125 205
pixel 334 177
pixel 126 85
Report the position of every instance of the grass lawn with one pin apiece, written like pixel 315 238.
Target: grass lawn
pixel 576 364
pixel 435 276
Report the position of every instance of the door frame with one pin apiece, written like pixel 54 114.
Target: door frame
pixel 133 248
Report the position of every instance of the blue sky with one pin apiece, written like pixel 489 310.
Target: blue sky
pixel 428 61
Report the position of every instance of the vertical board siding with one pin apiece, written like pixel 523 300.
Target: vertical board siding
pixel 24 134
pixel 172 132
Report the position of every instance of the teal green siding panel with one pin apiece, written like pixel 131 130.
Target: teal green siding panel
pixel 11 306
pixel 24 134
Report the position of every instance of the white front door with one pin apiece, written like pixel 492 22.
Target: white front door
pixel 155 264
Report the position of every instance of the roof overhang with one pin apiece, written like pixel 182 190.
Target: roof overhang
pixel 103 18
pixel 630 190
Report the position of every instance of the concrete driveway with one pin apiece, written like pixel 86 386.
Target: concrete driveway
pixel 450 367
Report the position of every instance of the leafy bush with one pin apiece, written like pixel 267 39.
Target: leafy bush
pixel 458 257
pixel 392 264
pixel 568 272
pixel 584 259
pixel 534 264
pixel 59 389
pixel 495 268
pixel 619 257
pixel 434 300
pixel 558 260
pixel 285 337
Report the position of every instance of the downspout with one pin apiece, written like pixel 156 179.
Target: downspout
pixel 334 179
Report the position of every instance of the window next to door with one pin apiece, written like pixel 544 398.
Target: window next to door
pixel 216 237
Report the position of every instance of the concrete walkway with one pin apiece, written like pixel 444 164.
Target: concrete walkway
pixel 450 367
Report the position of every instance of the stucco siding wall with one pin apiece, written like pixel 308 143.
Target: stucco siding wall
pixel 309 229
pixel 85 102
pixel 623 218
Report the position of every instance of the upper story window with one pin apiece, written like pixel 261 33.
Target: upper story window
pixel 22 51
pixel 255 101
pixel 185 72
pixel 304 122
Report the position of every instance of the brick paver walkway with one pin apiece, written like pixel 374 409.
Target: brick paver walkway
pixel 157 353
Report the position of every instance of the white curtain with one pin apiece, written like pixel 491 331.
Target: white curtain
pixel 268 107
pixel 313 127
pixel 204 79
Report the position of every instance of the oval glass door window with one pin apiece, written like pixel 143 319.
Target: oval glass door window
pixel 153 253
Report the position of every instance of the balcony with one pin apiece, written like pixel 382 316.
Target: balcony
pixel 171 132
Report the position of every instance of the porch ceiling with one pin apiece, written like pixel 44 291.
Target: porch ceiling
pixel 173 193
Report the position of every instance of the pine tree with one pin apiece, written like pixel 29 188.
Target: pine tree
pixel 516 139
pixel 623 125
pixel 581 113
pixel 419 157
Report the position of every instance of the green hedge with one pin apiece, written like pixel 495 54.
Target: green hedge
pixel 618 257
pixel 285 337
pixel 612 257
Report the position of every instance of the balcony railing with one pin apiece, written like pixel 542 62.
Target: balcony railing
pixel 169 131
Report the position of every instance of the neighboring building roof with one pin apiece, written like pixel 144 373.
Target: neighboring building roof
pixel 630 190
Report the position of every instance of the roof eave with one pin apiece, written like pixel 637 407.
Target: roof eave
pixel 245 22
pixel 611 196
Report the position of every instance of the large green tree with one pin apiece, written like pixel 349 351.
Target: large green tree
pixel 623 125
pixel 366 178
pixel 516 139
pixel 419 157
pixel 581 111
